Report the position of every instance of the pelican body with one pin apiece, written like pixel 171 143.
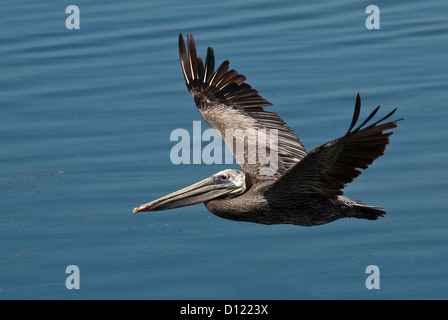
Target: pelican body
pixel 306 189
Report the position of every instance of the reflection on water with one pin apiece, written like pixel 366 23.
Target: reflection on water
pixel 86 117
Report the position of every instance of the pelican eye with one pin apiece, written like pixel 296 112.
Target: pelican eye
pixel 224 177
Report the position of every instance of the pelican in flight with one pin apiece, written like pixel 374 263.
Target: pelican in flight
pixel 306 187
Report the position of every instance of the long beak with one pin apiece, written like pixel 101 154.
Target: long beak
pixel 201 191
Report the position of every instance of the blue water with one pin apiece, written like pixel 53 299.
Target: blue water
pixel 85 121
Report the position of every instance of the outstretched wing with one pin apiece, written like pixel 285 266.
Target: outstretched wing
pixel 328 168
pixel 237 112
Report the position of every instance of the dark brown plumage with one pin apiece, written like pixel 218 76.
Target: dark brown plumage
pixel 305 188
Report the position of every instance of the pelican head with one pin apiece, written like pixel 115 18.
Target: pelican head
pixel 226 183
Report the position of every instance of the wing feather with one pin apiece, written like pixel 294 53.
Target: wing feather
pixel 328 168
pixel 227 102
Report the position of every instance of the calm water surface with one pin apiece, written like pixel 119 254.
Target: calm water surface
pixel 85 121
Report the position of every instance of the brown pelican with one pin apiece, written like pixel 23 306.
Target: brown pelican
pixel 306 188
